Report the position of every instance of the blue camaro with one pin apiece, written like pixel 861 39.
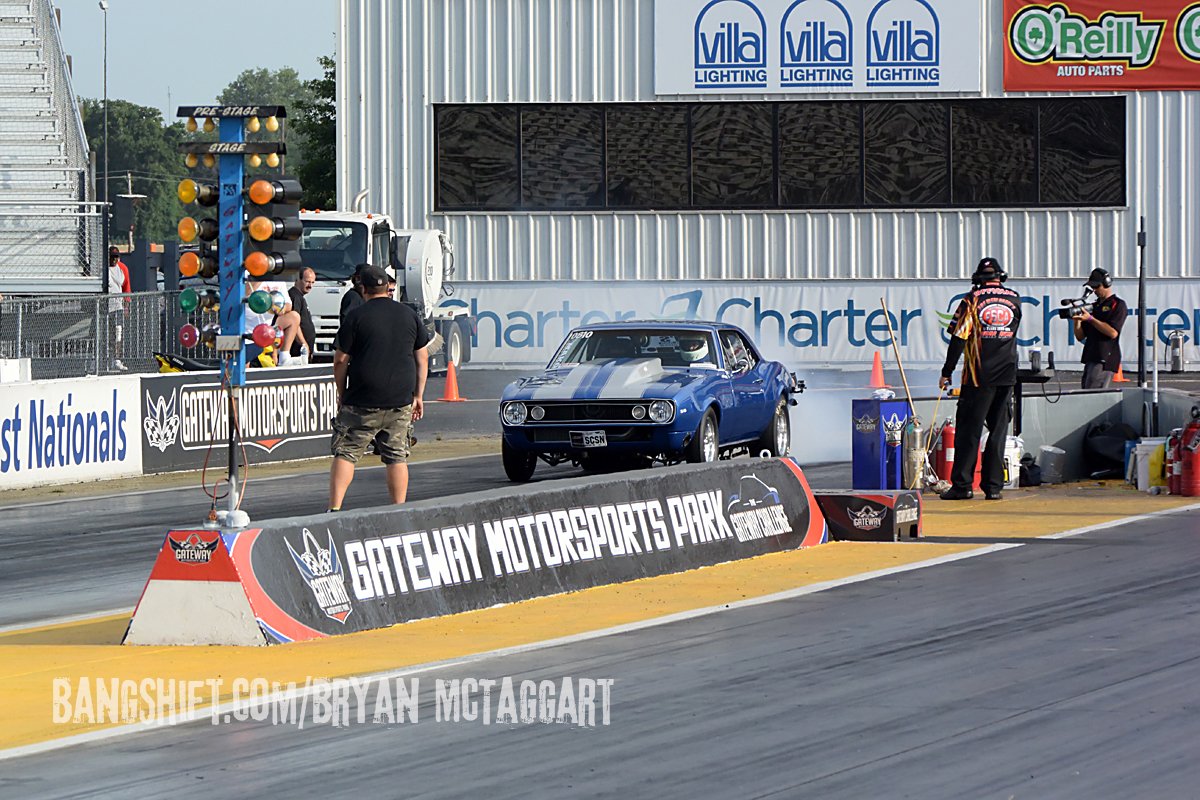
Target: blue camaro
pixel 621 394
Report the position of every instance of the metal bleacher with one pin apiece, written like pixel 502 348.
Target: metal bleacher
pixel 50 234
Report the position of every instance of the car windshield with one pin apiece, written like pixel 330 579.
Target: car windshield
pixel 333 249
pixel 675 348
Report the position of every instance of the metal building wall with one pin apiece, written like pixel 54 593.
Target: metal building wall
pixel 397 58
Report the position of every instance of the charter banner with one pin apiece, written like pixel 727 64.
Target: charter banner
pixel 801 323
pixel 66 431
pixel 816 46
pixel 1089 45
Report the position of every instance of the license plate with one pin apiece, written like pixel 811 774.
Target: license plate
pixel 589 439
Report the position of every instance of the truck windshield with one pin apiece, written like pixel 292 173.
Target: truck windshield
pixel 333 249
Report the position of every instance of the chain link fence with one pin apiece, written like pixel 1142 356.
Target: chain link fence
pixel 68 336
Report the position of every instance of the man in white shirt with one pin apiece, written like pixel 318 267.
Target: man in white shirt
pixel 116 309
pixel 286 321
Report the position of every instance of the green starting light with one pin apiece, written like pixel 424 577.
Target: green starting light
pixel 260 302
pixel 189 300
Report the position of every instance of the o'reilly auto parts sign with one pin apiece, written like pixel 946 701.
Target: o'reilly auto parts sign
pixel 818 46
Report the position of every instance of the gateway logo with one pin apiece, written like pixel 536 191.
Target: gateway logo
pixel 903 44
pixel 730 46
pixel 322 571
pixel 868 518
pixel 161 423
pixel 816 45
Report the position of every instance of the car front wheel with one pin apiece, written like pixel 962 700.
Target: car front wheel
pixel 704 447
pixel 776 440
pixel 518 464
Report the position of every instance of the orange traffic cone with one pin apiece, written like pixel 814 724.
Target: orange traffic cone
pixel 877 381
pixel 1120 376
pixel 450 394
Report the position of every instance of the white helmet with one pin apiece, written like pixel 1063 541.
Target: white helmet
pixel 693 348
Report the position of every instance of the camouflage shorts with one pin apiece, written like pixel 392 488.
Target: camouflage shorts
pixel 355 428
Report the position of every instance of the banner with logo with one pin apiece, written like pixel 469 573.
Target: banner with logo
pixel 1089 45
pixel 341 573
pixel 803 323
pixel 69 431
pixel 285 414
pixel 816 46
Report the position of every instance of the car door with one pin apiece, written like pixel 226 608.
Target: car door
pixel 748 382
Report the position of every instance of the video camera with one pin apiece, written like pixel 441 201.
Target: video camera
pixel 1077 306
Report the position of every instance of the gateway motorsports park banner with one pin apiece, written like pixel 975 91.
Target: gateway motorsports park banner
pixel 804 323
pixel 285 414
pixel 816 46
pixel 1090 45
pixel 307 578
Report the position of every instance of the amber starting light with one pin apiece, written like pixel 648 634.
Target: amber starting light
pixel 261 229
pixel 257 264
pixel 188 229
pixel 187 191
pixel 189 265
pixel 261 192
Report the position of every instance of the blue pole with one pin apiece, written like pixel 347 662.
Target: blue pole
pixel 232 283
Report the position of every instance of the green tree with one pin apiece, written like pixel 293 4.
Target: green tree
pixel 316 124
pixel 280 87
pixel 141 146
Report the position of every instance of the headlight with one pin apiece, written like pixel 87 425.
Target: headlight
pixel 639 412
pixel 514 413
pixel 661 411
pixel 537 412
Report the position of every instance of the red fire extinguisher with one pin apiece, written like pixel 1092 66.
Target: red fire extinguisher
pixel 943 453
pixel 1189 478
pixel 1174 461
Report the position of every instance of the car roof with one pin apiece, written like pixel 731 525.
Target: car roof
pixel 686 324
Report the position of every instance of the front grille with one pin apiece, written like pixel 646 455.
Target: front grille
pixel 591 411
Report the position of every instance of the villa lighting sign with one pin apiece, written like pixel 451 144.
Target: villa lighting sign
pixel 1088 45
pixel 816 46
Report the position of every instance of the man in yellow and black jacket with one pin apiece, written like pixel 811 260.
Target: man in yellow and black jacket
pixel 983 331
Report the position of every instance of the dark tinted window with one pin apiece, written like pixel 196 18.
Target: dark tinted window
pixel 820 154
pixel 1018 152
pixel 562 157
pixel 648 156
pixel 907 151
pixel 1083 151
pixel 995 153
pixel 733 155
pixel 477 157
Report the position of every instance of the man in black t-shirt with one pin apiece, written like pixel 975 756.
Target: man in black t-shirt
pixel 984 328
pixel 298 292
pixel 380 365
pixel 354 297
pixel 1100 332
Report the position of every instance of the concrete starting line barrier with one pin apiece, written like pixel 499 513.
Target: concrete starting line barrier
pixel 299 579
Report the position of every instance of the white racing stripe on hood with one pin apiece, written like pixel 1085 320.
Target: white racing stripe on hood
pixel 566 388
pixel 630 379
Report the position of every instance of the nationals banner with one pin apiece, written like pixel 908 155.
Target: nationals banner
pixel 1089 45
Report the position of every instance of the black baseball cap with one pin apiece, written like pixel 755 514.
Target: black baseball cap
pixel 373 277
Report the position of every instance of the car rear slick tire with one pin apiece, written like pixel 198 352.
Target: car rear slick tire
pixel 518 464
pixel 776 440
pixel 705 445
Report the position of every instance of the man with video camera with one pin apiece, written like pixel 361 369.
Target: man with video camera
pixel 1098 326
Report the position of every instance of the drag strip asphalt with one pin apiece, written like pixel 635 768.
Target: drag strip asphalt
pixel 1048 671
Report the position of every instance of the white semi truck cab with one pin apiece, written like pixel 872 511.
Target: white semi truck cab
pixel 335 242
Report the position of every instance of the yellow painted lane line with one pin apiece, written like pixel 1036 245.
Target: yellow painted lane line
pixel 31 660
pixel 1044 510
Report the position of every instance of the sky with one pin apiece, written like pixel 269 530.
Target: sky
pixel 155 46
